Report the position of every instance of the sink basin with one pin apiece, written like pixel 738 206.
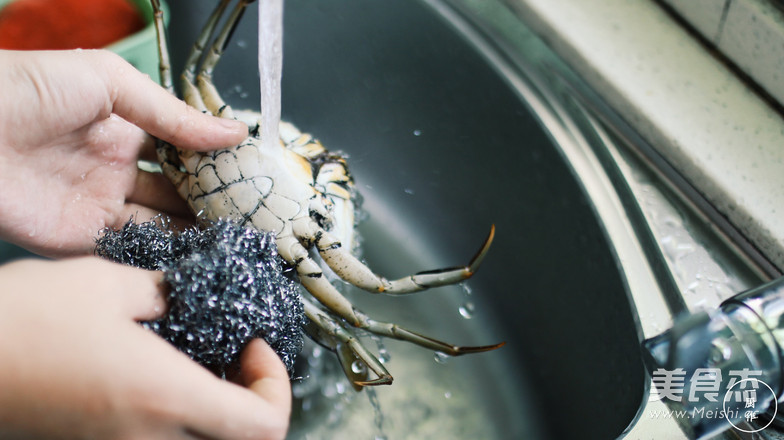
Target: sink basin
pixel 441 148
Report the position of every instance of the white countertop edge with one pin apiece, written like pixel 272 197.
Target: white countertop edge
pixel 716 131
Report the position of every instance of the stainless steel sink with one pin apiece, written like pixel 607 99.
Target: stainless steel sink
pixel 441 148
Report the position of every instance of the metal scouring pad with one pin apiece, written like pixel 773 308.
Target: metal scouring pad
pixel 227 286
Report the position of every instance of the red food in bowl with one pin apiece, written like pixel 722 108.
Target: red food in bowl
pixel 66 24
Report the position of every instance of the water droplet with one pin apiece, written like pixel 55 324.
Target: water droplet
pixel 448 395
pixel 358 367
pixel 384 356
pixel 409 191
pixel 417 132
pixel 441 357
pixel 467 310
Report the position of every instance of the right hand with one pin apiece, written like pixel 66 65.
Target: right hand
pixel 74 363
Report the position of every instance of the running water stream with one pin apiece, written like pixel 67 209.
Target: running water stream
pixel 270 67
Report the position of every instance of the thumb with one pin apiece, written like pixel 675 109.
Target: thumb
pixel 263 373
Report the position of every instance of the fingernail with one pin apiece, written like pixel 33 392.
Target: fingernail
pixel 233 124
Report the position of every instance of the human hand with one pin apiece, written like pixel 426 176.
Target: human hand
pixel 75 364
pixel 72 126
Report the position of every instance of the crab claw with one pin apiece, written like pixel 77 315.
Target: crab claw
pixel 357 364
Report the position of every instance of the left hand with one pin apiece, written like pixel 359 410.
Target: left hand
pixel 72 127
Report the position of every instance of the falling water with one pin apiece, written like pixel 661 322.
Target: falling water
pixel 270 67
pixel 378 416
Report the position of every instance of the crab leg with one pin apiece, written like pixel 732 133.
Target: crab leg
pixel 189 71
pixel 352 270
pixel 190 92
pixel 167 154
pixel 222 39
pixel 317 284
pixel 164 66
pixel 332 335
pixel 312 278
pixel 356 351
pixel 207 89
pixel 395 331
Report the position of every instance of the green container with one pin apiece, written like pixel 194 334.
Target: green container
pixel 141 48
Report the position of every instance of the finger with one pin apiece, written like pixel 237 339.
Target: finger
pixel 233 412
pixel 139 100
pixel 263 373
pixel 207 406
pixel 266 408
pixel 132 292
pixel 147 303
pixel 140 214
pixel 141 295
pixel 155 191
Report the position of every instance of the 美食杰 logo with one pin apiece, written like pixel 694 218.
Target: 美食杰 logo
pixel 710 394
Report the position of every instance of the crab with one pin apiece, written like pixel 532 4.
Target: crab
pixel 304 195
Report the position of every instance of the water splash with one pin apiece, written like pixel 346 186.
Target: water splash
pixel 270 68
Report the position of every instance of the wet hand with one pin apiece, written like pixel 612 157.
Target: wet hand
pixel 72 127
pixel 74 363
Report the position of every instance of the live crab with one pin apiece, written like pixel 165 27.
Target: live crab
pixel 305 196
